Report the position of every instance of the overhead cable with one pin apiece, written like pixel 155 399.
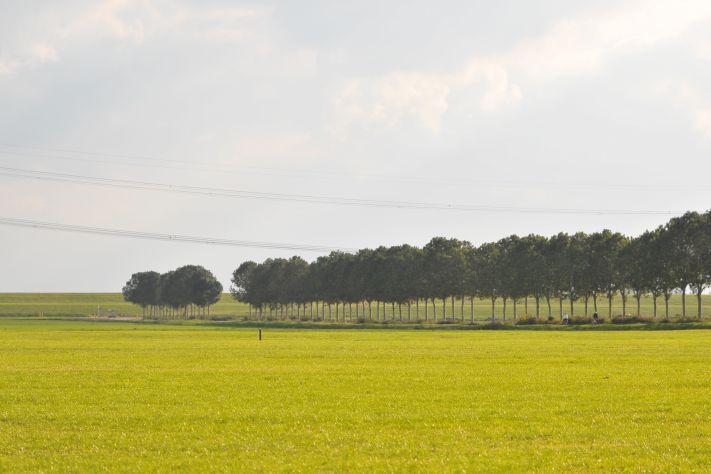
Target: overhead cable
pixel 167 237
pixel 305 198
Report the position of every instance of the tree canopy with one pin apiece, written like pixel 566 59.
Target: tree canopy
pixel 675 257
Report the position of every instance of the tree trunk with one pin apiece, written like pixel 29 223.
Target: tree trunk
pixel 654 301
pixel 609 307
pixel 409 314
pixel 666 306
pixel 571 307
pixel 538 307
pixel 699 292
pixel 586 298
pixel 434 310
pixel 504 312
pixel 560 303
pixel 493 308
pixel 417 310
pixel 638 297
pixel 525 305
pixel 515 315
pixel 595 301
pixel 683 302
pixel 462 308
pixel 444 309
pixel 471 302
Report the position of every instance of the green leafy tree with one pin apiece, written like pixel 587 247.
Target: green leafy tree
pixel 688 237
pixel 487 259
pixel 143 289
pixel 605 265
pixel 445 269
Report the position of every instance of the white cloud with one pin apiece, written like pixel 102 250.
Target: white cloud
pixel 495 88
pixel 8 66
pixel 45 53
pixel 32 57
pixel 702 122
pixel 571 47
pixel 108 19
pixel 695 103
pixel 395 98
pixel 135 21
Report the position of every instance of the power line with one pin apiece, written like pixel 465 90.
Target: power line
pixel 304 198
pixel 217 167
pixel 166 237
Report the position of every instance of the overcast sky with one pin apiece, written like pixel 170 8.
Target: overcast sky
pixel 543 104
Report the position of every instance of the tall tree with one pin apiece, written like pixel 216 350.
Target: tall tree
pixel 445 268
pixel 605 265
pixel 686 237
pixel 487 259
pixel 143 289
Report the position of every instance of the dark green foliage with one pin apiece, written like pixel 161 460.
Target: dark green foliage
pixel 143 289
pixel 629 320
pixel 602 265
pixel 178 290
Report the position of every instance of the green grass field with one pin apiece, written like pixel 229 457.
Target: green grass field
pixel 92 396
pixel 89 304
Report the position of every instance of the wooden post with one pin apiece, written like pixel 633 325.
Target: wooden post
pixel 260 334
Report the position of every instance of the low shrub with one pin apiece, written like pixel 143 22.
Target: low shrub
pixel 494 325
pixel 446 321
pixel 220 318
pixel 578 320
pixel 629 320
pixel 526 321
pixel 688 319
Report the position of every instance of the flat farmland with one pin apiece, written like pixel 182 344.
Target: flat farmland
pixel 106 304
pixel 91 304
pixel 92 396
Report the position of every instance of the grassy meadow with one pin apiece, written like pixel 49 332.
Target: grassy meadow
pixel 93 396
pixel 112 304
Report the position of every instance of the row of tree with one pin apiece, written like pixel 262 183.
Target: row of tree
pixel 188 291
pixel 673 258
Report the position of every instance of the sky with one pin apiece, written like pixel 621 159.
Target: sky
pixel 512 109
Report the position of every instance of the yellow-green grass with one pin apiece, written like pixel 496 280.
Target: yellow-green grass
pixel 82 396
pixel 88 304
